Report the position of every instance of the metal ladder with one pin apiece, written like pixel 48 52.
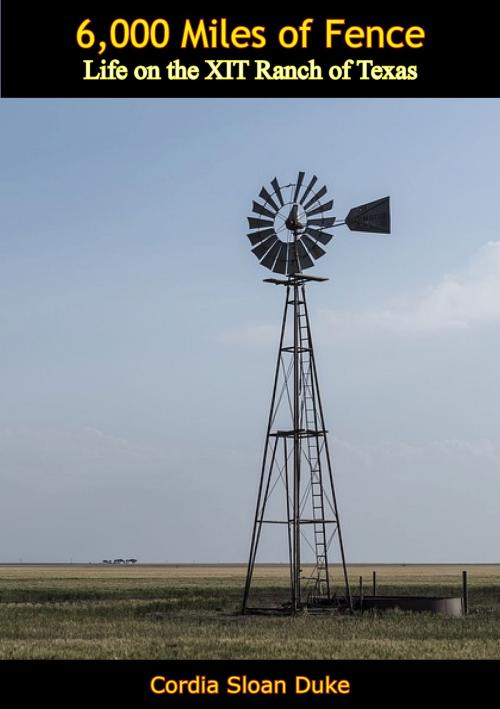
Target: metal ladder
pixel 310 421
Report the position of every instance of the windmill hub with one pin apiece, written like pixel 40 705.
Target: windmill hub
pixel 293 222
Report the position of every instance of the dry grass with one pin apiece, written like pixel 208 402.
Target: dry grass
pixel 169 612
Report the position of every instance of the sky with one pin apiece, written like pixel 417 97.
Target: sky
pixel 138 341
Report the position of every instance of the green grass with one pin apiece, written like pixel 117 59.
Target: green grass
pixel 169 612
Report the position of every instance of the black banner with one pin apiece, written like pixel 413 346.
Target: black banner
pixel 158 49
pixel 252 684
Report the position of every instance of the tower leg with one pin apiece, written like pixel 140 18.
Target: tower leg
pixel 264 488
pixel 296 600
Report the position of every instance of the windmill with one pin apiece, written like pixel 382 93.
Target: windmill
pixel 296 495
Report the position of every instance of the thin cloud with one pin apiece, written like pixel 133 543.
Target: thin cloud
pixel 457 303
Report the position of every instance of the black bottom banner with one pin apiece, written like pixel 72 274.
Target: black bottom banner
pixel 171 683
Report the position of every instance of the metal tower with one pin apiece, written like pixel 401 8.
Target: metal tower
pixel 296 495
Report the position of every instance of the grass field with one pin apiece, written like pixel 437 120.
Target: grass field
pixel 181 612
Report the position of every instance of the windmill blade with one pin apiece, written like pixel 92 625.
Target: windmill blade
pixel 305 261
pixel 293 264
pixel 374 217
pixel 316 197
pixel 254 223
pixel 277 190
pixel 325 222
pixel 259 209
pixel 309 187
pixel 264 194
pixel 280 265
pixel 319 235
pixel 300 180
pixel 314 249
pixel 262 249
pixel 322 208
pixel 258 236
pixel 270 257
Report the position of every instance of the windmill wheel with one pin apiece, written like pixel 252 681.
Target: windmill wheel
pixel 290 226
